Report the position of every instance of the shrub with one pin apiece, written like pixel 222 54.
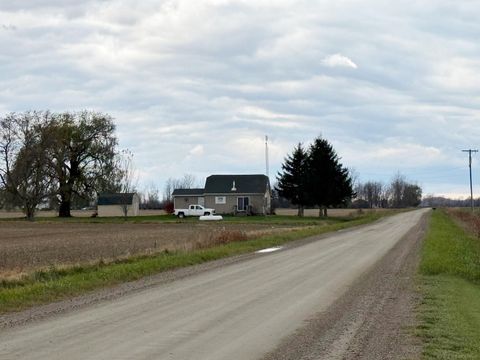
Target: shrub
pixel 169 207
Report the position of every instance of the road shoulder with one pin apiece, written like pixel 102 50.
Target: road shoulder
pixel 373 319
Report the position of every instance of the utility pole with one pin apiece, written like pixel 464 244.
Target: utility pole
pixel 470 151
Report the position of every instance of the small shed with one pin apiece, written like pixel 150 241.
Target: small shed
pixel 118 204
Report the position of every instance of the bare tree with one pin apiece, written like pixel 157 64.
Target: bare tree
pixel 170 185
pixel 188 181
pixel 152 200
pixel 372 193
pixel 128 178
pixel 355 177
pixel 404 193
pixel 397 187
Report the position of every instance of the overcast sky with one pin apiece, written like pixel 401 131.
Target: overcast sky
pixel 194 86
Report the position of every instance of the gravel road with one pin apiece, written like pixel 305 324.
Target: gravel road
pixel 244 310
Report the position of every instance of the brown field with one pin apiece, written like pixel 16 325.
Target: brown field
pixel 27 246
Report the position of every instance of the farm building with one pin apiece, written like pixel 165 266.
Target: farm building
pixel 184 197
pixel 117 203
pixel 229 194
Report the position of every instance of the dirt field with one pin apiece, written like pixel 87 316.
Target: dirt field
pixel 25 246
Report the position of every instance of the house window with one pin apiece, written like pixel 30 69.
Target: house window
pixel 220 199
pixel 242 203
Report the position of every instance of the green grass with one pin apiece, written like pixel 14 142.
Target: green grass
pixel 269 219
pixel 56 284
pixel 450 284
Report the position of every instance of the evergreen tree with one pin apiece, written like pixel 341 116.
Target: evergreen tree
pixel 292 182
pixel 329 183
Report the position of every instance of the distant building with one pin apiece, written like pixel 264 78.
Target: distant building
pixel 117 204
pixel 229 194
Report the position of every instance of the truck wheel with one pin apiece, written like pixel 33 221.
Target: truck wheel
pixel 181 215
pixel 206 213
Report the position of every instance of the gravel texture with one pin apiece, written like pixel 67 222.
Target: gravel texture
pixel 374 319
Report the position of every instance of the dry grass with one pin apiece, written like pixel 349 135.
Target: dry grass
pixel 331 212
pixel 26 246
pixel 469 221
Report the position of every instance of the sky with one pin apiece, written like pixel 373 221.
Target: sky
pixel 194 86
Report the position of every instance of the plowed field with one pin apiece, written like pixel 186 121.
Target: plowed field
pixel 25 246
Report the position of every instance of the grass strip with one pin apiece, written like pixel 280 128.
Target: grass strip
pixel 450 284
pixel 56 284
pixel 269 219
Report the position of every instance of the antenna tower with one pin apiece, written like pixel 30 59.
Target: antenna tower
pixel 266 156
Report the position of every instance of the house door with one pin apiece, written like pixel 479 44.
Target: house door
pixel 201 201
pixel 242 203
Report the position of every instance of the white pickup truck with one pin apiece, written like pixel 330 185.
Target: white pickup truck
pixel 194 210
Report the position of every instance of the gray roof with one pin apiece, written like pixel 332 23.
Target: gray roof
pixel 244 184
pixel 115 198
pixel 188 192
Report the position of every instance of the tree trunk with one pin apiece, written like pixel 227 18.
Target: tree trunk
pixel 65 193
pixel 300 210
pixel 325 213
pixel 30 213
pixel 64 210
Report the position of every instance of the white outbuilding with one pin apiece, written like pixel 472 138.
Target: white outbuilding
pixel 118 204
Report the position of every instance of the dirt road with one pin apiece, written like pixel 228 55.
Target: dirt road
pixel 241 311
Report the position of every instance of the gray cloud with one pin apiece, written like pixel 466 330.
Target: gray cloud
pixel 195 86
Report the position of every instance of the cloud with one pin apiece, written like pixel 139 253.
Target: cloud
pixel 338 60
pixel 197 150
pixel 195 86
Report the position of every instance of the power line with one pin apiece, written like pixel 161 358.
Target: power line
pixel 470 151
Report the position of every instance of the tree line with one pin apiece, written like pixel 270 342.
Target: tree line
pixel 150 196
pixel 60 158
pixel 440 201
pixel 399 193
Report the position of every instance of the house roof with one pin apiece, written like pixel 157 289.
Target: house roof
pixel 244 184
pixel 115 198
pixel 188 192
